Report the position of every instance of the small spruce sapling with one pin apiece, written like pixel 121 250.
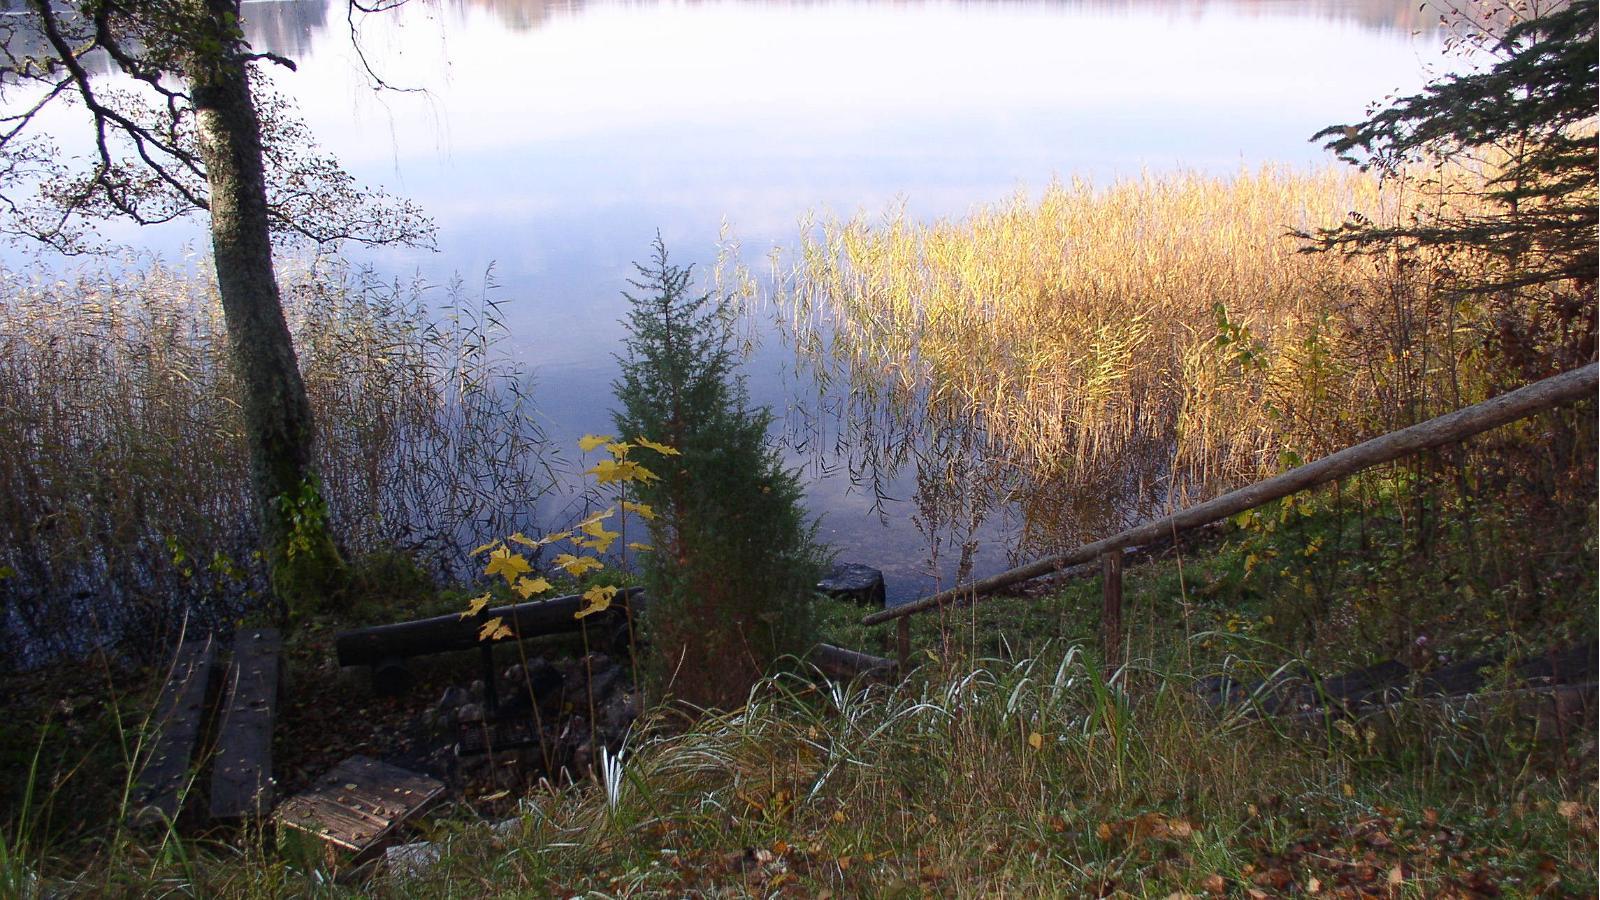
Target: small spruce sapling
pixel 736 562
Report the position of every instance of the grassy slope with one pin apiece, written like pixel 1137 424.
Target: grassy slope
pixel 1007 765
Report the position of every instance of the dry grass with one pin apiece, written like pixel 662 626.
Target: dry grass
pixel 124 492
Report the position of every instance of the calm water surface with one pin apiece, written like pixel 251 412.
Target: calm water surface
pixel 554 139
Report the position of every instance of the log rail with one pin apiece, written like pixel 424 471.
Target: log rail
pixel 1559 390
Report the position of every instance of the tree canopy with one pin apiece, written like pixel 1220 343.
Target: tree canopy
pixel 133 69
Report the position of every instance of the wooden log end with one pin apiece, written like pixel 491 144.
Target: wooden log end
pixel 391 677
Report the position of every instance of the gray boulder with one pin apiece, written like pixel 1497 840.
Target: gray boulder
pixel 855 582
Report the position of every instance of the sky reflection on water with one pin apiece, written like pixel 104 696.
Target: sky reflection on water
pixel 553 140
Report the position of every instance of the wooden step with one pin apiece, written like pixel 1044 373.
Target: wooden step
pixel 359 804
pixel 241 772
pixel 177 721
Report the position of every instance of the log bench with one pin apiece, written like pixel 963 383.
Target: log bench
pixel 386 647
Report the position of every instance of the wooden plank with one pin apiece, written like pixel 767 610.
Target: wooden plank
pixel 1451 428
pixel 241 772
pixel 177 720
pixel 440 634
pixel 359 803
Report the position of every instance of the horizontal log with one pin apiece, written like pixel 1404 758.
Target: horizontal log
pixel 1559 708
pixel 443 634
pixel 1450 428
pixel 842 665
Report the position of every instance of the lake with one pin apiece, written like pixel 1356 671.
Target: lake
pixel 553 140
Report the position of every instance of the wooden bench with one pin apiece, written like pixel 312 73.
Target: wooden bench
pixel 241 772
pixel 177 725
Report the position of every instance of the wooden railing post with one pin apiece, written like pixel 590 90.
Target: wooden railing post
pixel 1110 608
pixel 902 644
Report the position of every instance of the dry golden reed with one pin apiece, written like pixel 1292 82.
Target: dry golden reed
pixel 1152 340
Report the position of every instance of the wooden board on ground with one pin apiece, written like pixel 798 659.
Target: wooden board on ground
pixel 241 773
pixel 177 720
pixel 359 803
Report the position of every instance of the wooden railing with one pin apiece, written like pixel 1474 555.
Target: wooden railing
pixel 1450 428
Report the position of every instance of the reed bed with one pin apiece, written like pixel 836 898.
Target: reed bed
pixel 125 505
pixel 1125 348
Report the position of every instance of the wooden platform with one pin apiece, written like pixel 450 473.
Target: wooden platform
pixel 177 721
pixel 359 804
pixel 241 773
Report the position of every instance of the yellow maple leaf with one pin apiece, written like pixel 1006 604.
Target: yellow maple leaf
pixel 482 547
pixel 596 599
pixel 643 509
pixel 475 605
pixel 619 450
pixel 597 517
pixel 602 539
pixel 1036 740
pixel 527 587
pixel 590 441
pixel 577 565
pixel 494 629
pixel 507 564
pixel 523 539
pixel 606 471
pixel 639 546
pixel 552 538
pixel 662 449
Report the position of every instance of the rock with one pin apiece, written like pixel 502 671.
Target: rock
pixel 855 582
pixel 470 712
pixel 618 714
pixel 453 698
pixel 445 712
pixel 603 681
pixel 538 676
pixel 411 860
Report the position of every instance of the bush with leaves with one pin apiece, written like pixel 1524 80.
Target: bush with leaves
pixel 736 563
